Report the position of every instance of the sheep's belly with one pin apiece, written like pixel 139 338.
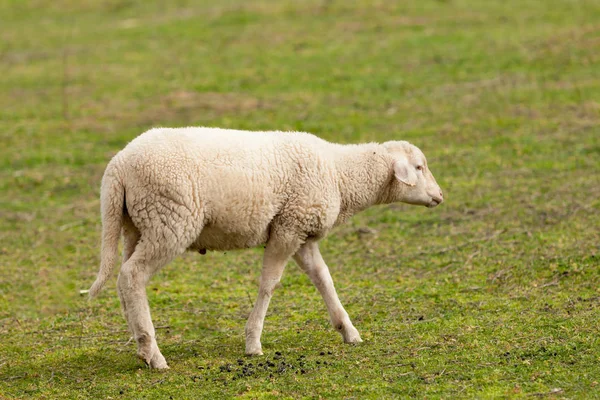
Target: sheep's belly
pixel 213 238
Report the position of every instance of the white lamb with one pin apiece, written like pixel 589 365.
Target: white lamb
pixel 172 190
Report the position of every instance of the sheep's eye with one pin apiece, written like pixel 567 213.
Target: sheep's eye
pixel 420 167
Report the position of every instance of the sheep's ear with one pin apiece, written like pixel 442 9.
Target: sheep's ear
pixel 404 172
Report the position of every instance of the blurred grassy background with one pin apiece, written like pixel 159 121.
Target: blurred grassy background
pixel 493 294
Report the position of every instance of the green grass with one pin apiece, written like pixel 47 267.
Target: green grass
pixel 495 294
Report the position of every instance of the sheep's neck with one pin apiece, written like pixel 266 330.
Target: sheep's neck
pixel 363 176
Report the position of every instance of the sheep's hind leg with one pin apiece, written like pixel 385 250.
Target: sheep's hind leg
pixel 275 258
pixel 134 276
pixel 151 253
pixel 310 260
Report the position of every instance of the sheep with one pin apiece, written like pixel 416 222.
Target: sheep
pixel 196 188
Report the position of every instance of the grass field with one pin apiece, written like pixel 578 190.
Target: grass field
pixel 494 294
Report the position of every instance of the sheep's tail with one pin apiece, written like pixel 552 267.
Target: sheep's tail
pixel 112 205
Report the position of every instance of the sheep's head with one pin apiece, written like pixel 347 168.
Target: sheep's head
pixel 414 183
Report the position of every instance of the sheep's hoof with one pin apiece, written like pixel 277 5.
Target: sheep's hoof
pixel 157 361
pixel 349 332
pixel 254 351
pixel 352 336
pixel 356 339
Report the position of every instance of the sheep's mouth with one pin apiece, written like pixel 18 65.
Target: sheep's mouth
pixel 434 203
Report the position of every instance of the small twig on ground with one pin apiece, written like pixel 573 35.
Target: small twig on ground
pixel 12 378
pixel 498 274
pixel 64 227
pixel 463 388
pixel 158 382
pixel 162 327
pixel 341 289
pixel 470 257
pixel 553 283
pixel 540 394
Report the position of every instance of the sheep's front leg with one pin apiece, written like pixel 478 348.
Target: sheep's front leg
pixel 274 261
pixel 310 260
